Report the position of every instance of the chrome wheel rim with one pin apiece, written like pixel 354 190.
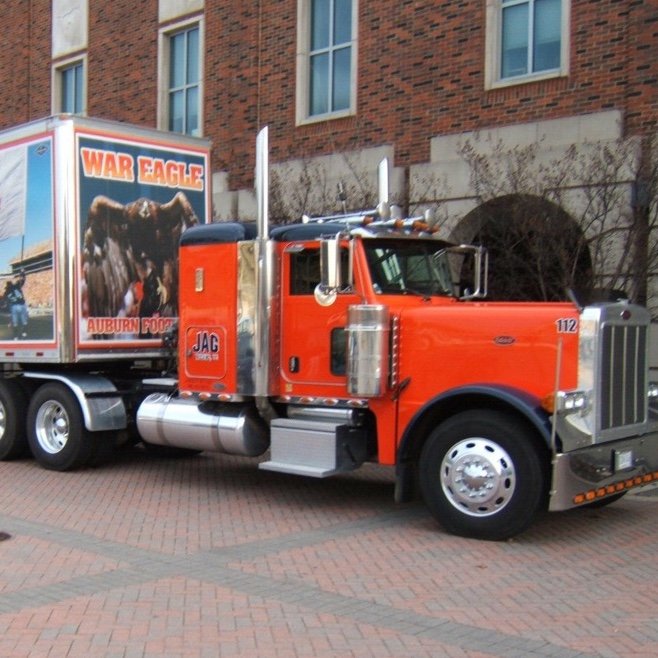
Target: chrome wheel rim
pixel 3 421
pixel 52 427
pixel 478 477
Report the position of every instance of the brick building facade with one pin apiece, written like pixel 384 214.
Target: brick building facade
pixel 423 77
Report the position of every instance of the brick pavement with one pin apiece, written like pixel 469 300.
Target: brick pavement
pixel 208 556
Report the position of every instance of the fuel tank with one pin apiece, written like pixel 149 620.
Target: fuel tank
pixel 234 429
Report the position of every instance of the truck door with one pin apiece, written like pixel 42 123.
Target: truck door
pixel 312 336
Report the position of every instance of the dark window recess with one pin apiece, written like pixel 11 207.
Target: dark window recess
pixel 305 270
pixel 338 351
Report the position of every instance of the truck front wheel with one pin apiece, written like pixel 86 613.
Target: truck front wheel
pixel 56 432
pixel 482 475
pixel 13 403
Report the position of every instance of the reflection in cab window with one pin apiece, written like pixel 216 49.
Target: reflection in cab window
pixel 403 267
pixel 305 270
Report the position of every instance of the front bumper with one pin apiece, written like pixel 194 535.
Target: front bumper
pixel 596 472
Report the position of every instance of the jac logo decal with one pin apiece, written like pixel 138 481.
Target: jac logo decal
pixel 566 325
pixel 206 346
pixel 504 340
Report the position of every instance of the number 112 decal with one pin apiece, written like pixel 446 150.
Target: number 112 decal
pixel 566 325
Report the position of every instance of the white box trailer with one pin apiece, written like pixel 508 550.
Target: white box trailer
pixel 91 213
pixel 90 216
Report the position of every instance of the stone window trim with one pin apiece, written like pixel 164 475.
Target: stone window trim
pixel 493 49
pixel 303 90
pixel 165 32
pixel 57 81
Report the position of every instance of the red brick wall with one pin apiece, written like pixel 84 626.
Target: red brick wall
pixel 642 89
pixel 421 73
pixel 122 60
pixel 24 61
pixel 232 114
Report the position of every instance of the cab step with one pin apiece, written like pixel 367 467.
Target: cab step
pixel 317 448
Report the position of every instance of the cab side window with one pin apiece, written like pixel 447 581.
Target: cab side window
pixel 304 271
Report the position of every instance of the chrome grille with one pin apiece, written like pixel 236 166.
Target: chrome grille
pixel 623 375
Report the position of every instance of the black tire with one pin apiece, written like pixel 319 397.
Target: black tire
pixel 505 486
pixel 13 406
pixel 103 445
pixel 56 433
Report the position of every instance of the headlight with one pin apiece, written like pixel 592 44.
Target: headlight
pixel 571 401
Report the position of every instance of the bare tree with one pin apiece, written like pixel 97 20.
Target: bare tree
pixel 309 187
pixel 583 219
pixel 565 222
pixel 645 223
pixel 297 190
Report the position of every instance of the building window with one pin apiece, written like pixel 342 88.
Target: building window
pixel 69 88
pixel 326 64
pixel 184 82
pixel 528 39
pixel 181 77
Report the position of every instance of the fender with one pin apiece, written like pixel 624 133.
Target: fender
pixel 100 401
pixel 470 397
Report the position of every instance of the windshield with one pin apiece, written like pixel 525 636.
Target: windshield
pixel 401 267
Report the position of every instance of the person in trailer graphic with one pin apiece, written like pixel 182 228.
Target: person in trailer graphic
pixel 17 306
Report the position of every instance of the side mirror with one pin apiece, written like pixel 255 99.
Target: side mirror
pixel 479 272
pixel 470 264
pixel 330 262
pixel 330 272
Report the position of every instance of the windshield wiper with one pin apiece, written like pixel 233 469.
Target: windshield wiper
pixel 404 290
pixel 418 293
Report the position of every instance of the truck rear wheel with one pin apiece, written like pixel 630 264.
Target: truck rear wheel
pixel 482 475
pixel 13 404
pixel 56 433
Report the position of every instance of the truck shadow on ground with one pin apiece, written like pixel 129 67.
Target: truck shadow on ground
pixel 370 490
pixel 370 486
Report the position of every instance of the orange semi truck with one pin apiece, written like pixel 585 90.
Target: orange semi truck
pixel 360 338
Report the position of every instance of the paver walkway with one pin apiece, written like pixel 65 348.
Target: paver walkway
pixel 208 556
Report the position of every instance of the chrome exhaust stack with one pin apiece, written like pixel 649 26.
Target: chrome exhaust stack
pixel 265 278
